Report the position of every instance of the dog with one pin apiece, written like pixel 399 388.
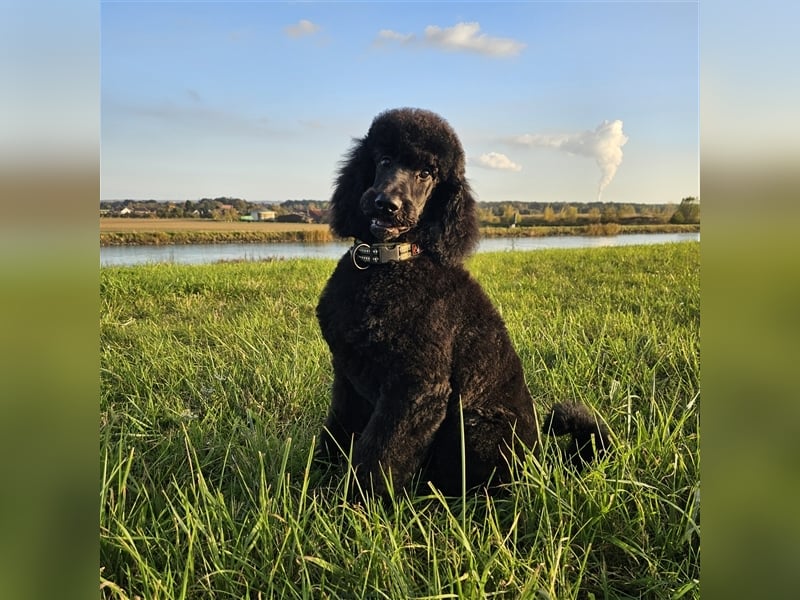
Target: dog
pixel 427 387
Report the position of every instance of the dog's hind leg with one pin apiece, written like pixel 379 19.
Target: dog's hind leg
pixel 484 457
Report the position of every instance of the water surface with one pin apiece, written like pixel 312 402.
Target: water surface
pixel 210 253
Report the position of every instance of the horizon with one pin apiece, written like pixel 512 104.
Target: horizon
pixel 551 101
pixel 183 200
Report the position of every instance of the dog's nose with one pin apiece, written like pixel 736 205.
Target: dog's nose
pixel 387 205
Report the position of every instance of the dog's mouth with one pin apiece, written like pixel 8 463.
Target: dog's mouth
pixel 386 230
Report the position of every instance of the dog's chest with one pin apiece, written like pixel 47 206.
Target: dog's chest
pixel 376 310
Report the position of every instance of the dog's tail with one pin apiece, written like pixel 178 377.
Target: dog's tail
pixel 590 438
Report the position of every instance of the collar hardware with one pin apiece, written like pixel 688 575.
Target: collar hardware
pixel 366 255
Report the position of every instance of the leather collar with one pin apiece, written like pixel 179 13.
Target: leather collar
pixel 366 255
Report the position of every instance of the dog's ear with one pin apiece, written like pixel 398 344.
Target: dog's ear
pixel 356 174
pixel 452 229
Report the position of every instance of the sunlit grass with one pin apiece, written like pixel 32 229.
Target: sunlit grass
pixel 215 382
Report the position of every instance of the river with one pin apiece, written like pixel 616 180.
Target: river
pixel 210 253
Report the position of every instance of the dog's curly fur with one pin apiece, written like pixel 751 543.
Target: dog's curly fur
pixel 420 355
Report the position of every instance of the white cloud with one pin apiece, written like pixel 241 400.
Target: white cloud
pixel 604 144
pixel 495 160
pixel 303 27
pixel 467 36
pixel 387 35
pixel 462 37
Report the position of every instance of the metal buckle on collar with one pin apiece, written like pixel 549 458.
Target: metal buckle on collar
pixel 360 251
pixel 377 254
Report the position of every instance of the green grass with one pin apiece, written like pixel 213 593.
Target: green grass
pixel 214 383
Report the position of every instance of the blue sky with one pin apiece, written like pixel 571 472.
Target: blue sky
pixel 554 102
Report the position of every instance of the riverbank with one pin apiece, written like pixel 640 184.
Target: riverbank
pixel 159 232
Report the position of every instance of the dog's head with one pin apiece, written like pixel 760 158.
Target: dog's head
pixel 404 181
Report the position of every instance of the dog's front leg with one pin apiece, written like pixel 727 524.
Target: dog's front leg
pixel 396 440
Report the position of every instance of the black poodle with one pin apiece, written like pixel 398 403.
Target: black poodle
pixel 425 375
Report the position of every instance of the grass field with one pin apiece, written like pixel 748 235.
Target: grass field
pixel 214 383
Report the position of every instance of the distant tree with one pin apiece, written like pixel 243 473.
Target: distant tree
pixel 548 214
pixel 240 205
pixel 486 216
pixel 568 214
pixel 688 211
pixel 166 211
pixel 665 213
pixel 610 214
pixel 509 215
pixel 625 211
pixel 225 214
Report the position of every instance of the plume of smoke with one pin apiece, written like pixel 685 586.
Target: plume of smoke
pixel 604 144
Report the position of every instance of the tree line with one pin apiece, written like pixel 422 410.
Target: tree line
pixel 497 214
pixel 219 209
pixel 526 214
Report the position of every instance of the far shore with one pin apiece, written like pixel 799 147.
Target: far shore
pixel 143 232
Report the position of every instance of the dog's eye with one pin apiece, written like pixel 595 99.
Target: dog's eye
pixel 425 174
pixel 385 161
